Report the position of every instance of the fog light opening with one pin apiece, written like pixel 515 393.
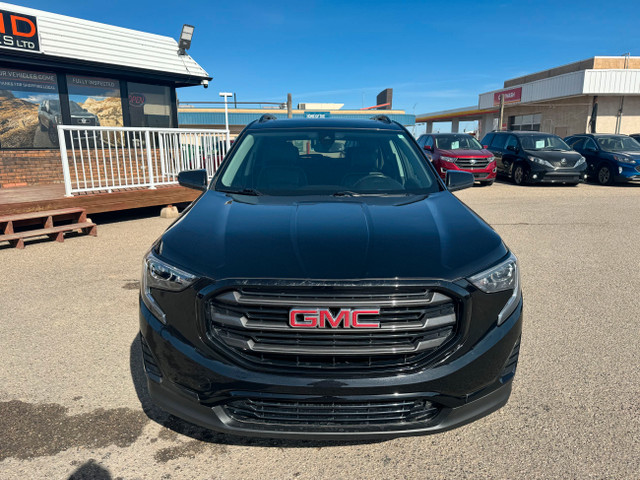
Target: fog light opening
pixel 535 176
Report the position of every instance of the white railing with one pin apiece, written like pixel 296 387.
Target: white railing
pixel 114 158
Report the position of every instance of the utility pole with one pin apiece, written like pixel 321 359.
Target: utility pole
pixel 620 110
pixel 289 112
pixel 226 95
pixel 501 111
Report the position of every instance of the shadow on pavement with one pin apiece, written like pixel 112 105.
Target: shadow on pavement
pixel 91 471
pixel 188 429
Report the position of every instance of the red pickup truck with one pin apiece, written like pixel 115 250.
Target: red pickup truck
pixel 459 151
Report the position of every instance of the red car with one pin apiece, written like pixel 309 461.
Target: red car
pixel 459 151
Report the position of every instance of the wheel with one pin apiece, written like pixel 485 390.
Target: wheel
pixel 519 175
pixel 604 175
pixel 42 127
pixel 53 136
pixel 486 183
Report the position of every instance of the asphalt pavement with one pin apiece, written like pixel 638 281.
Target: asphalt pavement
pixel 73 402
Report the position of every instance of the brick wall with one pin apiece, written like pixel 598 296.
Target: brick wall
pixel 30 167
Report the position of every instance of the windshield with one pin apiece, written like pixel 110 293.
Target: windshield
pixel 326 162
pixel 616 143
pixel 543 142
pixel 457 142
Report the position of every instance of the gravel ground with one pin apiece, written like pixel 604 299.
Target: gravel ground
pixel 73 401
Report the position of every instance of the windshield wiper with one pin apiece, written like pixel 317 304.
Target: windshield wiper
pixel 244 191
pixel 346 193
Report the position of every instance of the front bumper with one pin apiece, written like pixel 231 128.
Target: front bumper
pixel 627 173
pixel 479 174
pixel 558 175
pixel 469 387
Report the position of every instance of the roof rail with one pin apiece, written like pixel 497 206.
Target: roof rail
pixel 381 118
pixel 266 118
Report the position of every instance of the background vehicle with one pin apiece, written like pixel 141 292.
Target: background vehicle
pixel 49 117
pixel 459 151
pixel 610 158
pixel 340 293
pixel 533 157
pixel 636 137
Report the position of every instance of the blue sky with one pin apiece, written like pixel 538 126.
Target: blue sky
pixel 436 55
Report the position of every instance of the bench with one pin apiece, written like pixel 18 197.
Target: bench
pixel 12 227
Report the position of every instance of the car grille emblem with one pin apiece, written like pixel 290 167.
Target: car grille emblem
pixel 472 161
pixel 563 161
pixel 323 318
pixel 84 121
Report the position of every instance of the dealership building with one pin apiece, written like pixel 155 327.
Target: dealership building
pixel 600 94
pixel 56 69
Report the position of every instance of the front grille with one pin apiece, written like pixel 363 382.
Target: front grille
pixel 252 325
pixel 330 415
pixel 472 163
pixel 638 168
pixel 566 164
pixel 562 178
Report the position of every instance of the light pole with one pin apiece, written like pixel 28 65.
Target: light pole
pixel 226 95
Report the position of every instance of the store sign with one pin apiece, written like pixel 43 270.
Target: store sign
pixel 317 114
pixel 93 82
pixel 26 81
pixel 18 31
pixel 513 95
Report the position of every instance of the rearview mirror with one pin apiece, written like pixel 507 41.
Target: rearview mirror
pixel 458 180
pixel 428 147
pixel 196 179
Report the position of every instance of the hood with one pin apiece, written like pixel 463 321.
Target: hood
pixel 465 153
pixel 554 155
pixel 232 236
pixel 634 155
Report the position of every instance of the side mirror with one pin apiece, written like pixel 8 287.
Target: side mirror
pixel 196 179
pixel 591 150
pixel 458 180
pixel 512 148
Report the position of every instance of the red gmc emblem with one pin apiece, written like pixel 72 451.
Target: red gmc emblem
pixel 323 318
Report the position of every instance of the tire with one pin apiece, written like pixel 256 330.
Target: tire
pixel 53 136
pixel 604 175
pixel 519 174
pixel 486 183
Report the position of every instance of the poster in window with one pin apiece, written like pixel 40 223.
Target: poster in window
pixel 29 109
pixel 94 101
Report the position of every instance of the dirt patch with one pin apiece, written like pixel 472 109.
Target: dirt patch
pixel 132 285
pixel 36 430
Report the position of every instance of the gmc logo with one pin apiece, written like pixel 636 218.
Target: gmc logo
pixel 323 318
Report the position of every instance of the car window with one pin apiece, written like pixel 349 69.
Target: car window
pixel 499 141
pixel 487 139
pixel 618 143
pixel 367 162
pixel 576 143
pixel 512 141
pixel 543 141
pixel 429 141
pixel 590 144
pixel 461 141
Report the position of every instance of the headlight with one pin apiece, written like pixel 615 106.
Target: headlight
pixel 159 274
pixel 449 159
pixel 491 159
pixel 622 159
pixel 580 161
pixel 503 277
pixel 540 161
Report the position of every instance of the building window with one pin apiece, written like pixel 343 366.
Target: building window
pixel 150 105
pixel 94 101
pixel 530 123
pixel 29 109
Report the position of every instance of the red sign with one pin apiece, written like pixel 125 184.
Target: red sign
pixel 137 99
pixel 513 95
pixel 322 318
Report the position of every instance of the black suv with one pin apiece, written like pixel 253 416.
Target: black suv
pixel 534 157
pixel 610 157
pixel 327 284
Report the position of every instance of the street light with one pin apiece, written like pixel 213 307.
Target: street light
pixel 185 39
pixel 226 95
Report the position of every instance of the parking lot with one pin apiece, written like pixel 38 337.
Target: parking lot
pixel 73 398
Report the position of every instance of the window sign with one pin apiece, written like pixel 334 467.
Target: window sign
pixel 150 105
pixel 94 101
pixel 29 109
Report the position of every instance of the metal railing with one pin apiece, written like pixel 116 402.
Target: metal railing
pixel 98 159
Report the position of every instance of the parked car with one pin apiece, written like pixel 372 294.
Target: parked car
pixel 534 157
pixel 49 117
pixel 636 137
pixel 309 295
pixel 459 151
pixel 610 157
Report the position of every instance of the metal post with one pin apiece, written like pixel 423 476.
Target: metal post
pixel 501 111
pixel 225 95
pixel 147 139
pixel 62 142
pixel 289 109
